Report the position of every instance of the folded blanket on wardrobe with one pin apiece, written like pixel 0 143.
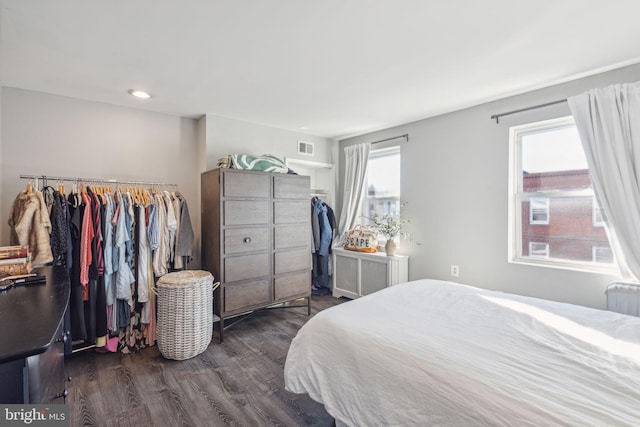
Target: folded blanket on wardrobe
pixel 266 163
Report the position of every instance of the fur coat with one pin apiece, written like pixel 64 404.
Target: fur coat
pixel 30 225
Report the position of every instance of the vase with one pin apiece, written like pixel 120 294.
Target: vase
pixel 390 247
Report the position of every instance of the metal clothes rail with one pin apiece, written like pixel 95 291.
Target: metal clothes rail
pixel 46 178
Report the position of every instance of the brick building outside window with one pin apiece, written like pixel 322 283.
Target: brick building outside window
pixel 571 226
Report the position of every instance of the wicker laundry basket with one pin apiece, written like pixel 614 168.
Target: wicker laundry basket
pixel 185 313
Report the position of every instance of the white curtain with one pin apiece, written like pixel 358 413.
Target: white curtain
pixel 608 121
pixel 356 160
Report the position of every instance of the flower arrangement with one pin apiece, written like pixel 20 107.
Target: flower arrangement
pixel 390 227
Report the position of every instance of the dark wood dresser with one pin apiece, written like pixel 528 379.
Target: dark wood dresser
pixel 32 340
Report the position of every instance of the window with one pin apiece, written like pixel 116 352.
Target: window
pixel 597 214
pixel 553 218
pixel 539 210
pixel 382 184
pixel 602 255
pixel 538 250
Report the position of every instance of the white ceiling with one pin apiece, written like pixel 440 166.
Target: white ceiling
pixel 330 68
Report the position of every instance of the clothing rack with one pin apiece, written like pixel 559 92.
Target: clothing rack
pixel 45 178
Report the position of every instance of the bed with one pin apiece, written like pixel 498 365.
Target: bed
pixel 430 353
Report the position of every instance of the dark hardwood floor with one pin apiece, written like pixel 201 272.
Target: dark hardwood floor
pixel 237 383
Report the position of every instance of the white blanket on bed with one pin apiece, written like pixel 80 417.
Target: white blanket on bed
pixel 430 353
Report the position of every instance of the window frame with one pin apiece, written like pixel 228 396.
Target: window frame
pixel 516 197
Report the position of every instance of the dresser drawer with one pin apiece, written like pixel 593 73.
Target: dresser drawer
pixel 290 285
pixel 246 184
pixel 291 236
pixel 286 261
pixel 241 240
pixel 239 296
pixel 291 212
pixel 289 187
pixel 246 212
pixel 246 267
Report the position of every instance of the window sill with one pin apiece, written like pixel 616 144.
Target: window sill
pixel 610 270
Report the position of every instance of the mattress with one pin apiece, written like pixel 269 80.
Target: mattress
pixel 435 353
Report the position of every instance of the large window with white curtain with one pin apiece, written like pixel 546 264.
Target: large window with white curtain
pixel 382 184
pixel 552 210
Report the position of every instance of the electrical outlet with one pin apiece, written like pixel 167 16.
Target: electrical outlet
pixel 455 270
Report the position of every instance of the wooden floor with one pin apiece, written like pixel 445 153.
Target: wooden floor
pixel 237 383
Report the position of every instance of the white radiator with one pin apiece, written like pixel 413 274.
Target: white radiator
pixel 624 298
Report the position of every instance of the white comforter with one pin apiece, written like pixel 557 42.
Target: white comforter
pixel 431 353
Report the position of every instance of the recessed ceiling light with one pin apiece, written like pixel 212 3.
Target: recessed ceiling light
pixel 304 128
pixel 139 94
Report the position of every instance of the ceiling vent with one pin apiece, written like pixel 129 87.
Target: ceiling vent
pixel 305 148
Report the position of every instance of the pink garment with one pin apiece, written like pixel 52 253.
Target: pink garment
pixel 86 235
pixel 111 346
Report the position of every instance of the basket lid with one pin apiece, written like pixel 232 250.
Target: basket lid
pixel 186 277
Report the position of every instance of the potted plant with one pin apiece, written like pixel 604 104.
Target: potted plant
pixel 390 227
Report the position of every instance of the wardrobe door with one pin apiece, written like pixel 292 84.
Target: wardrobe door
pixel 291 237
pixel 246 241
pixel 246 212
pixel 246 185
pixel 243 296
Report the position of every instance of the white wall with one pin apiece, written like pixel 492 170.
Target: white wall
pixel 228 136
pixel 455 180
pixel 45 134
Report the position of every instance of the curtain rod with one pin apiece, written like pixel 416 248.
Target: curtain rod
pixel 405 136
pixel 497 116
pixel 96 180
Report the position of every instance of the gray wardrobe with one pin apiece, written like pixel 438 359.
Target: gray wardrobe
pixel 255 239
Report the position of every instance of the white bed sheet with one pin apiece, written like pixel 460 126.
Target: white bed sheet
pixel 431 353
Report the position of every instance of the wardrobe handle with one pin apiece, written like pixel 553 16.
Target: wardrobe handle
pixel 247 239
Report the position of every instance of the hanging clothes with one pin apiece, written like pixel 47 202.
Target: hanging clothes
pixel 322 231
pixel 124 276
pixel 86 237
pixel 161 254
pixel 326 233
pixel 143 257
pixel 59 229
pixel 172 225
pixel 78 323
pixel 184 241
pixel 175 201
pixel 30 225
pixel 114 248
pixel 109 277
